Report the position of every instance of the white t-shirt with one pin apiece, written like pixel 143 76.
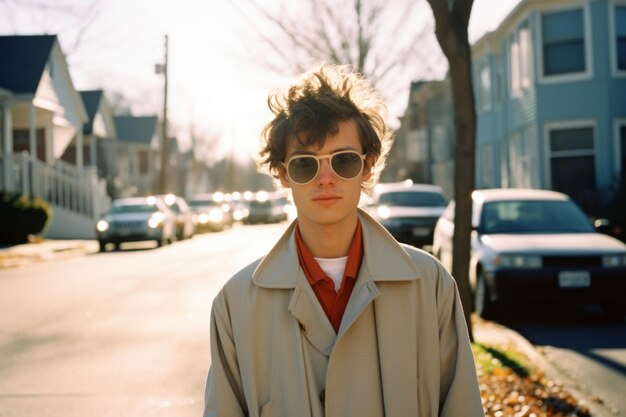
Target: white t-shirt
pixel 334 268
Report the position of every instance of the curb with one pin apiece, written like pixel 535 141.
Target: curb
pixel 29 253
pixel 492 333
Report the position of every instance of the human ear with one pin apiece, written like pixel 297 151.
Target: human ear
pixel 282 176
pixel 368 167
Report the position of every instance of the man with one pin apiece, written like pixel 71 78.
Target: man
pixel 338 319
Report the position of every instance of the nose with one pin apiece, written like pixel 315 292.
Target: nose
pixel 326 174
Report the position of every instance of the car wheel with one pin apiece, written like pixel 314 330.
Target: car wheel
pixel 103 246
pixel 483 305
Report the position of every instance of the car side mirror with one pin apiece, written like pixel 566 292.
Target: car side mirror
pixel 602 225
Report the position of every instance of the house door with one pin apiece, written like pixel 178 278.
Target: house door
pixel 572 164
pixel 21 142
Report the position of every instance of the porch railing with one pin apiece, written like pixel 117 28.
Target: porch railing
pixel 62 184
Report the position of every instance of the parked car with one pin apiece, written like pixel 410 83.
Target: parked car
pixel 211 215
pixel 136 219
pixel 185 220
pixel 536 246
pixel 408 211
pixel 271 210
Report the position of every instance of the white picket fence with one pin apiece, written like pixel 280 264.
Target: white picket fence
pixel 62 185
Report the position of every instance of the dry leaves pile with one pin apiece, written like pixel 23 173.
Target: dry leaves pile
pixel 517 392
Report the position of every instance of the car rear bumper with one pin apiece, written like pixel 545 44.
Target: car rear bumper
pixel 416 236
pixel 589 285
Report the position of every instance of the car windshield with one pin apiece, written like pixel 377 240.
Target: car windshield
pixel 202 203
pixel 412 199
pixel 533 216
pixel 133 208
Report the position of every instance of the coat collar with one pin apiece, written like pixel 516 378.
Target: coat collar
pixel 383 258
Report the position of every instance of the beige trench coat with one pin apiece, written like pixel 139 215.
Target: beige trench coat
pixel 402 348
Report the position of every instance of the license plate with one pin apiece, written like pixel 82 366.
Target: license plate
pixel 421 231
pixel 574 279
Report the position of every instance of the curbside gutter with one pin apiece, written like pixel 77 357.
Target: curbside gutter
pixel 45 250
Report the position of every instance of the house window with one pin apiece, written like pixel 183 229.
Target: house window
pixel 519 163
pixel 572 162
pixel 524 55
pixel 563 42
pixel 143 161
pixel 21 142
pixel 484 86
pixel 520 59
pixel 516 85
pixel 487 179
pixel 620 34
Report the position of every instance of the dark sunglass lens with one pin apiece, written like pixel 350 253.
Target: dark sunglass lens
pixel 303 169
pixel 346 165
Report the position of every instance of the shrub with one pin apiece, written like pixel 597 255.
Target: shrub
pixel 21 216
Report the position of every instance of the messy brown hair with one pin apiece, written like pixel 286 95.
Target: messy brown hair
pixel 311 109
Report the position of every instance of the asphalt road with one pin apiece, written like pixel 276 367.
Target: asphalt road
pixel 587 350
pixel 117 334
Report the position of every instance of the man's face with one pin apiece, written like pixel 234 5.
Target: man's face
pixel 328 199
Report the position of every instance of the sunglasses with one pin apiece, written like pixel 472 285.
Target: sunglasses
pixel 302 169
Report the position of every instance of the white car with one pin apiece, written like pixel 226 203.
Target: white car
pixel 531 246
pixel 137 219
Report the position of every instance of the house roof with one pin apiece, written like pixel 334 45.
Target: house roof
pixel 136 129
pixel 91 100
pixel 23 61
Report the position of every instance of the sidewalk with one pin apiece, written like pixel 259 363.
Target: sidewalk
pixel 44 250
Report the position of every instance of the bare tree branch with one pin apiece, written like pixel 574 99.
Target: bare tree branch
pixel 382 40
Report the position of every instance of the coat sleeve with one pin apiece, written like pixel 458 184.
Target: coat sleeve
pixel 224 395
pixel 459 392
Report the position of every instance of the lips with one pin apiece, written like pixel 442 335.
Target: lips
pixel 326 199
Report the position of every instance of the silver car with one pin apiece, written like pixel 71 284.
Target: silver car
pixel 536 246
pixel 137 219
pixel 408 211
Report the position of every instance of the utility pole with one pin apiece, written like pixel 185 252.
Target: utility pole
pixel 165 159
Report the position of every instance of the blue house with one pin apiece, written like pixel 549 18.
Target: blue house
pixel 550 87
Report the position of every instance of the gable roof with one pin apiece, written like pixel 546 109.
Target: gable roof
pixel 23 61
pixel 91 100
pixel 133 129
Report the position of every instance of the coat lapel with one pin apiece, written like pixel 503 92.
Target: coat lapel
pixel 314 324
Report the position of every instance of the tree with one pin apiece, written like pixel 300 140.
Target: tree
pixel 451 21
pixel 380 38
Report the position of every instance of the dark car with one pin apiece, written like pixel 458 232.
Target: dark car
pixel 408 211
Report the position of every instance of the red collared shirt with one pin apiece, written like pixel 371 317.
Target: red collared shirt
pixel 333 303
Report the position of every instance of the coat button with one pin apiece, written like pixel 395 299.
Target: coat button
pixel 323 396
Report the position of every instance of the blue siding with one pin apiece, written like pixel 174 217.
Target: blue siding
pixel 600 99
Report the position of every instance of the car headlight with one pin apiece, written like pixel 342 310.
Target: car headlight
pixel 216 215
pixel 102 226
pixel 203 218
pixel 156 220
pixel 518 261
pixel 614 261
pixel 383 212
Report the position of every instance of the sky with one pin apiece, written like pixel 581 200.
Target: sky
pixel 217 88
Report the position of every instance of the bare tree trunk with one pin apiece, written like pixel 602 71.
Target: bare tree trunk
pixel 452 18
